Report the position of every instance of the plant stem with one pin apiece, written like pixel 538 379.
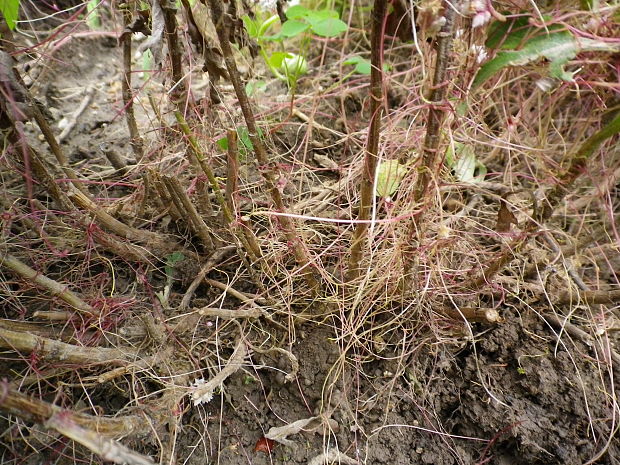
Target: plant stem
pixel 372 150
pixel 247 239
pixel 197 152
pixel 54 287
pixel 267 169
pixel 437 109
pixel 174 50
pixel 136 142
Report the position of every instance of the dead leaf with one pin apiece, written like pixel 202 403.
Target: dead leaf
pixel 505 217
pixel 264 445
pixel 139 24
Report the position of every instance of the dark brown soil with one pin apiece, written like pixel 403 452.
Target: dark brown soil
pixel 513 397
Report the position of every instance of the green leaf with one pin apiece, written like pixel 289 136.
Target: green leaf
pixel 389 175
pixel 254 87
pixel 277 58
pixel 244 137
pixel 558 47
pixel 222 143
pixel 294 65
pixel 362 65
pixel 251 26
pixel 330 27
pixel 317 16
pixel 296 12
pixel 291 28
pixel 10 11
pixel 172 260
pixel 461 109
pixel 509 34
pixel 92 15
pixel 147 64
pixel 591 5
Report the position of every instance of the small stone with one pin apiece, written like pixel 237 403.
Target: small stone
pixel 279 378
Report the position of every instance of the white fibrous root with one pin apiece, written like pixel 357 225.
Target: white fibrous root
pixel 203 390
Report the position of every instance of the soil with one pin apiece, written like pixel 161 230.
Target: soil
pixel 515 392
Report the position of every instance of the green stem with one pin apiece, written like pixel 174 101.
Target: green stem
pixel 203 164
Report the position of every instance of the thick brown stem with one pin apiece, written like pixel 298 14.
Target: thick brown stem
pixel 174 50
pixel 437 111
pixel 35 112
pixel 232 170
pixel 56 351
pixel 246 238
pixel 188 211
pixel 136 142
pixel 40 280
pixel 269 172
pixel 437 106
pixel 372 149
pixel 31 409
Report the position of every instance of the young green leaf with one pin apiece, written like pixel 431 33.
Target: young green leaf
pixel 330 27
pixel 291 28
pixel 508 35
pixel 92 15
pixel 296 12
pixel 244 137
pixel 294 65
pixel 10 11
pixel 362 65
pixel 171 261
pixel 251 26
pixel 254 87
pixel 316 16
pixel 277 58
pixel 222 143
pixel 389 175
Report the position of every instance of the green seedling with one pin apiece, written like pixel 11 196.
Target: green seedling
pixel 147 65
pixel 361 65
pixel 302 23
pixel 10 11
pixel 92 14
pixel 254 87
pixel 245 146
pixel 171 261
